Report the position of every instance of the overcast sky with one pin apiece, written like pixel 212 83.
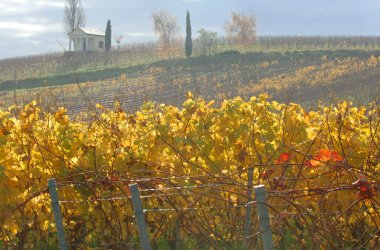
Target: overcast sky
pixel 30 27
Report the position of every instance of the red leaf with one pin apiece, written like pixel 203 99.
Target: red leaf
pixel 283 158
pixel 323 157
pixel 336 156
pixel 313 163
pixel 365 188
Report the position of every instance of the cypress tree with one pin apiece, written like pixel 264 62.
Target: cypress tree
pixel 189 41
pixel 108 37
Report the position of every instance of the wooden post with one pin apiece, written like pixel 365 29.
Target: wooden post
pixel 263 213
pixel 248 209
pixel 57 214
pixel 140 218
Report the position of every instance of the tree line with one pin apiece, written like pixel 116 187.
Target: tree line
pixel 240 29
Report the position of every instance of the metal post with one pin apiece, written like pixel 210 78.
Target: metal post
pixel 248 209
pixel 140 218
pixel 57 214
pixel 263 213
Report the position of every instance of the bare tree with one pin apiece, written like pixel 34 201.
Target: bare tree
pixel 73 16
pixel 241 29
pixel 118 39
pixel 166 27
pixel 208 41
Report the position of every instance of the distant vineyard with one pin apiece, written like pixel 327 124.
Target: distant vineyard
pixel 292 80
pixel 131 54
pixel 320 168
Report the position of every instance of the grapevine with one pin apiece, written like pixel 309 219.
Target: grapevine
pixel 320 169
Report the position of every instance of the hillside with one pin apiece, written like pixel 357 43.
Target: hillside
pixel 306 77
